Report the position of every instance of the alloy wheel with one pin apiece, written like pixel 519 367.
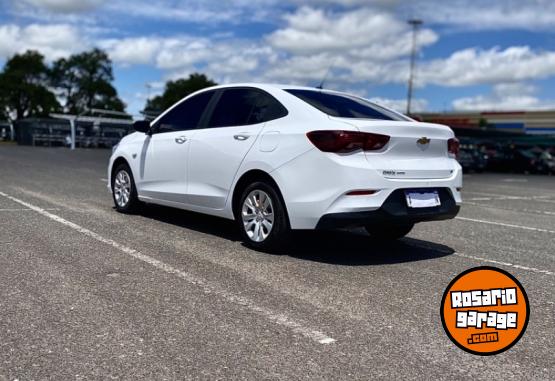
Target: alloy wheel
pixel 257 214
pixel 122 188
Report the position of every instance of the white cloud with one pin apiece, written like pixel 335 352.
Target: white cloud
pixel 129 51
pixel 463 14
pixel 400 105
pixel 362 32
pixel 198 11
pixel 66 6
pixel 459 14
pixel 505 96
pixel 487 14
pixel 181 11
pixel 361 43
pixel 474 66
pixel 349 3
pixel 224 60
pixel 53 41
pixel 184 51
pixel 361 46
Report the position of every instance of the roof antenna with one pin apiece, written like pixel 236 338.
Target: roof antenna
pixel 321 85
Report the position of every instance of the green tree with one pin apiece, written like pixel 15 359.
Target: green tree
pixel 24 87
pixel 176 90
pixel 84 81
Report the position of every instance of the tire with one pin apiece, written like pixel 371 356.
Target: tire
pixel 262 218
pixel 388 232
pixel 124 192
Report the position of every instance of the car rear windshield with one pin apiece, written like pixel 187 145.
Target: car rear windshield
pixel 344 106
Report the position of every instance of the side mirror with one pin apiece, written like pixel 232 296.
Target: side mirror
pixel 142 126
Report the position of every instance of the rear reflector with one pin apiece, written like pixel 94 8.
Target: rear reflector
pixel 361 192
pixel 346 141
pixel 453 147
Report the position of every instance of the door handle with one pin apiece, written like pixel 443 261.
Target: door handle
pixel 241 137
pixel 181 139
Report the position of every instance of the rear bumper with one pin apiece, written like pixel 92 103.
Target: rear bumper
pixel 393 211
pixel 316 184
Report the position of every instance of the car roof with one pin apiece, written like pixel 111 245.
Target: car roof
pixel 271 86
pixel 274 88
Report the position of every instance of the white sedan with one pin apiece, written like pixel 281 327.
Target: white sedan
pixel 276 158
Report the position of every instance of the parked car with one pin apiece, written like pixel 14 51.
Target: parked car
pixel 276 158
pixel 522 159
pixel 545 163
pixel 472 158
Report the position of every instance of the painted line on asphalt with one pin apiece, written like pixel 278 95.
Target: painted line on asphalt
pixel 23 209
pixel 511 180
pixel 104 180
pixel 505 225
pixel 541 200
pixel 525 198
pixel 509 209
pixel 480 259
pixel 496 196
pixel 514 265
pixel 487 193
pixel 207 287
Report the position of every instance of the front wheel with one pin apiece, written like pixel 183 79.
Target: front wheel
pixel 262 218
pixel 388 232
pixel 124 191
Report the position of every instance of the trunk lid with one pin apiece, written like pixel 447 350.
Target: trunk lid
pixel 415 150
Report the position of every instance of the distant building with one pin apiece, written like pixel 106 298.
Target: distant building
pixel 513 122
pixel 90 131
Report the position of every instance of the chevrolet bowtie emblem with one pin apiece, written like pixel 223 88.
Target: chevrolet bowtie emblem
pixel 423 140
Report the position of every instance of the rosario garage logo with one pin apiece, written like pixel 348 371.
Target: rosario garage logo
pixel 485 310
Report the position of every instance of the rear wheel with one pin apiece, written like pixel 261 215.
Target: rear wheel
pixel 262 218
pixel 124 191
pixel 388 232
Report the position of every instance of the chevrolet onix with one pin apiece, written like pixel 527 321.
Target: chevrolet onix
pixel 276 158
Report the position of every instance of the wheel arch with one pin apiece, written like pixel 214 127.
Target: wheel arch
pixel 248 178
pixel 117 162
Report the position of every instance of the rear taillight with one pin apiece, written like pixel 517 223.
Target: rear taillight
pixel 453 146
pixel 346 141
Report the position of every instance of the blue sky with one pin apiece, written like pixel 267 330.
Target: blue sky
pixel 488 55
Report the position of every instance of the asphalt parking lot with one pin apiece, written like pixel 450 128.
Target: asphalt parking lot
pixel 87 293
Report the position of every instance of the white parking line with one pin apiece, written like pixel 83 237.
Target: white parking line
pixel 486 193
pixel 496 196
pixel 541 200
pixel 509 209
pixel 207 287
pixel 505 225
pixel 22 209
pixel 514 265
pixel 480 259
pixel 511 180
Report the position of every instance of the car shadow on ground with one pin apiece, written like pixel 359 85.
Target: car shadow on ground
pixel 352 247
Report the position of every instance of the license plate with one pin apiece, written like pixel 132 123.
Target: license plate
pixel 422 199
